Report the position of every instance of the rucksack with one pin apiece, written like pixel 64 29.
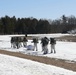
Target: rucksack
pixel 52 41
pixel 45 41
pixel 35 40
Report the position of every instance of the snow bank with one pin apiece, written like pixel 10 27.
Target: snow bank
pixel 10 65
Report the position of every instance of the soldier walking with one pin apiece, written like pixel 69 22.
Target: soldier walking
pixel 13 44
pixel 35 41
pixel 45 42
pixel 53 42
pixel 25 42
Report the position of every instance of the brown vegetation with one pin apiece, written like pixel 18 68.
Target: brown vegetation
pixel 70 38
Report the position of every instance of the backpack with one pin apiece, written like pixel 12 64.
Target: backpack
pixel 25 40
pixel 35 40
pixel 52 41
pixel 45 41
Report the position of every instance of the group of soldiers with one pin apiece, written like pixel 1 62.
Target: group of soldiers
pixel 45 42
pixel 16 43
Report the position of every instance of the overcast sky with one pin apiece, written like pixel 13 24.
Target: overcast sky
pixel 48 9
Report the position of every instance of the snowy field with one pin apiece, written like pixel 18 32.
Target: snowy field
pixel 10 65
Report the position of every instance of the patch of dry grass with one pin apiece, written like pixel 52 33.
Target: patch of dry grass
pixel 69 38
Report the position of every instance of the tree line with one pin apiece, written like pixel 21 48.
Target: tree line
pixel 13 25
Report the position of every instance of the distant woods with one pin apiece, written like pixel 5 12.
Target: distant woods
pixel 13 25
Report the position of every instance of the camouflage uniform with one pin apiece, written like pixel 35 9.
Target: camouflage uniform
pixel 35 41
pixel 25 42
pixel 45 42
pixel 52 42
pixel 13 44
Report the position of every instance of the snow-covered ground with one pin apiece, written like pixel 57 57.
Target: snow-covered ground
pixel 10 65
